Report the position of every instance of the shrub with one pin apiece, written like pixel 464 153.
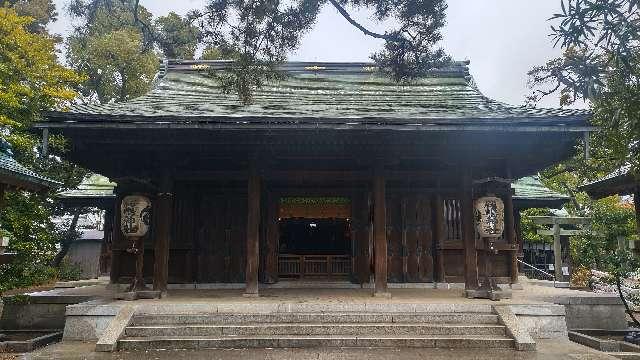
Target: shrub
pixel 69 272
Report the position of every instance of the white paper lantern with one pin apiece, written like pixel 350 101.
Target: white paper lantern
pixel 489 211
pixel 135 215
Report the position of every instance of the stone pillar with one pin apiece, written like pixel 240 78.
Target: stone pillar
pixel 380 233
pixel 253 232
pixel 162 234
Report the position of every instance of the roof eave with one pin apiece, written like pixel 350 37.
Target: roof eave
pixel 25 182
pixel 576 123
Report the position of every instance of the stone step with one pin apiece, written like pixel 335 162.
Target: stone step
pixel 295 341
pixel 625 355
pixel 325 318
pixel 315 329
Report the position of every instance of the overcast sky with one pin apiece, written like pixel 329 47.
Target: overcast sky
pixel 502 38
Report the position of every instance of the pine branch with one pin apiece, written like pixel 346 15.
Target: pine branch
pixel 345 14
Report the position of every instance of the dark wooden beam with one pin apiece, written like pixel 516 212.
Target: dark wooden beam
pixel 510 234
pixel 116 241
pixel 253 231
pixel 162 234
pixel 469 235
pixel 380 232
pixel 439 235
pixel 272 239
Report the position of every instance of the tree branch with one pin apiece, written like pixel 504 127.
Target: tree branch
pixel 146 29
pixel 624 301
pixel 345 14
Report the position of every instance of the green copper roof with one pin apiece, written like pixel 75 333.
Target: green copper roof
pixel 93 186
pixel 14 174
pixel 336 93
pixel 530 192
pixel 621 182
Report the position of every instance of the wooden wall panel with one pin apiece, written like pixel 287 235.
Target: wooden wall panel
pixel 215 225
pixel 395 230
pixel 360 230
pixel 271 242
pixel 424 239
pixel 409 235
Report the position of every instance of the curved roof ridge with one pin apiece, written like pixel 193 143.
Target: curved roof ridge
pixel 455 69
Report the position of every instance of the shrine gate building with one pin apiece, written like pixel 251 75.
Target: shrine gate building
pixel 335 173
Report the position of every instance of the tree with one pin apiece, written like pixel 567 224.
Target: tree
pixel 112 49
pixel 31 81
pixel 41 12
pixel 177 36
pixel 620 265
pixel 258 35
pixel 118 68
pixel 601 64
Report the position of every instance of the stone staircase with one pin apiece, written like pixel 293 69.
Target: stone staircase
pixel 328 329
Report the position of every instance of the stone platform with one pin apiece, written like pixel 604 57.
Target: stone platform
pixel 280 316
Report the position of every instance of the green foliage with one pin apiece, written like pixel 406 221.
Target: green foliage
pixel 31 81
pixel 69 272
pixel 118 68
pixel 25 274
pixel 211 53
pixel 112 50
pixel 176 36
pixel 617 114
pixel 529 229
pixel 609 220
pixel 19 299
pixel 41 12
pixel 600 64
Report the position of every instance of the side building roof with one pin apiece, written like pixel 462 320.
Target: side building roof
pixel 15 175
pixel 621 181
pixel 94 191
pixel 531 193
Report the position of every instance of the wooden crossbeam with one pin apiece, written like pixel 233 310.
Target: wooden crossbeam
pixel 568 220
pixel 563 232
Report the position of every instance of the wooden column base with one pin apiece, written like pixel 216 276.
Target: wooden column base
pixel 140 294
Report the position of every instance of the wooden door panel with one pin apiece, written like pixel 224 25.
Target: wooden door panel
pixel 394 229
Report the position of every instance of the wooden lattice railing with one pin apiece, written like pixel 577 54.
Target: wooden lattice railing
pixel 314 266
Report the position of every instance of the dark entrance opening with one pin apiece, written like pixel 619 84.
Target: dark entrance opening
pixel 302 236
pixel 315 249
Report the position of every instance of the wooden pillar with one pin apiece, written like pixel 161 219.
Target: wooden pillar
pixel 404 248
pixel 518 224
pixel 272 239
pixel 3 190
pixel 380 233
pixel 557 251
pixel 253 232
pixel 469 236
pixel 162 234
pixel 438 236
pixel 106 249
pixel 116 242
pixel 510 234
